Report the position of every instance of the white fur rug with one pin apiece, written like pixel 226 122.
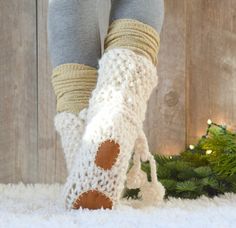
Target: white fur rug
pixel 39 206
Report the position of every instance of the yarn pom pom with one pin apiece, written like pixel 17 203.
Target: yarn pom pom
pixel 135 178
pixel 152 193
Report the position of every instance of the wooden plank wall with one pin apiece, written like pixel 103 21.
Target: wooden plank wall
pixel 197 66
pixel 18 91
pixel 210 64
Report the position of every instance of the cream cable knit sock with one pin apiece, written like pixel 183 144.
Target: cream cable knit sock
pixel 116 112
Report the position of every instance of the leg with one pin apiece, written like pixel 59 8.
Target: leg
pixel 73 32
pixel 127 76
pixel 135 25
pixel 129 22
pixel 150 12
pixel 74 43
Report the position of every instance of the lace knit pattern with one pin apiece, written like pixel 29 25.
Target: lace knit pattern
pixel 116 111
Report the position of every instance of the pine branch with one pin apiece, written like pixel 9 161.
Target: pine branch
pixel 208 168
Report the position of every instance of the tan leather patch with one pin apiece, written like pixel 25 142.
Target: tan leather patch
pixel 107 154
pixel 93 200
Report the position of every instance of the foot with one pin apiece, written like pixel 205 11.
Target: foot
pixel 114 120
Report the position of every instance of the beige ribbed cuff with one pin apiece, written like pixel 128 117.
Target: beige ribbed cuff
pixel 134 35
pixel 73 84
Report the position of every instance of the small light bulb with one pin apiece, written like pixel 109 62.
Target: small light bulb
pixel 191 147
pixel 208 151
pixel 209 122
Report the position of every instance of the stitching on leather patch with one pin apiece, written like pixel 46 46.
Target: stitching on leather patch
pixel 107 154
pixel 92 199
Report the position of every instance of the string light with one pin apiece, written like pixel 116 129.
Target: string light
pixel 191 147
pixel 208 151
pixel 209 122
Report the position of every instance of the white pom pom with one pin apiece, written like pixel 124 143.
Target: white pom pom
pixel 152 193
pixel 135 178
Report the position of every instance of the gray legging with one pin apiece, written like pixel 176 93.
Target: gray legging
pixel 73 26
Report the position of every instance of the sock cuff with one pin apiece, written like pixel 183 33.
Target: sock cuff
pixel 134 35
pixel 73 84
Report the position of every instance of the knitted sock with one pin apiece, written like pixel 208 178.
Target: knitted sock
pixel 126 78
pixel 73 84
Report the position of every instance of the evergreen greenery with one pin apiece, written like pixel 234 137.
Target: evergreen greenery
pixel 208 168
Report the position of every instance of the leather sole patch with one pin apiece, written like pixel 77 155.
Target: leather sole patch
pixel 92 200
pixel 107 154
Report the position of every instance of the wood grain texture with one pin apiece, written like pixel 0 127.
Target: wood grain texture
pixel 197 68
pixel 18 92
pixel 51 158
pixel 211 64
pixel 165 121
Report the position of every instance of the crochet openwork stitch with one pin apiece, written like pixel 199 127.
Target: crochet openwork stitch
pixel 115 114
pixel 70 127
